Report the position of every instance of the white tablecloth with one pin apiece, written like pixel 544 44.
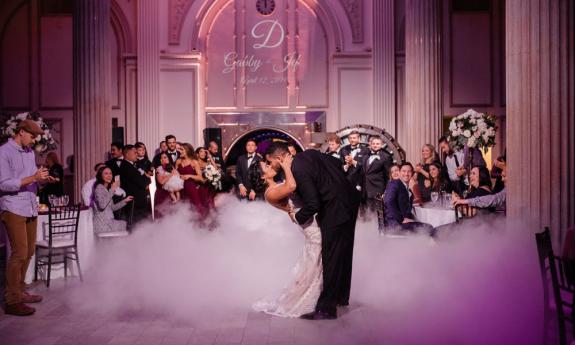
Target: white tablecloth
pixel 85 244
pixel 434 214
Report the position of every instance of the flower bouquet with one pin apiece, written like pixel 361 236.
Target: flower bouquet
pixel 213 176
pixel 43 143
pixel 472 129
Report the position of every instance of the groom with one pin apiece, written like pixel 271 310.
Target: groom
pixel 326 194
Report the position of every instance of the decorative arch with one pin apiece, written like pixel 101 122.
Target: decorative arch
pixel 209 11
pixel 255 129
pixel 121 28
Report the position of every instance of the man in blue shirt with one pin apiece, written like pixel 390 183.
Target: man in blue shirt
pixel 19 183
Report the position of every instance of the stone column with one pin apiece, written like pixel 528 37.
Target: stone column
pixel 423 89
pixel 541 114
pixel 92 107
pixel 384 65
pixel 148 73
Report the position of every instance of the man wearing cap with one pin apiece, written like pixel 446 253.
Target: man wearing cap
pixel 19 183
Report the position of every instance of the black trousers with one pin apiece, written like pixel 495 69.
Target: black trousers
pixel 337 261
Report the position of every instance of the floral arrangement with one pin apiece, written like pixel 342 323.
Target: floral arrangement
pixel 44 142
pixel 214 177
pixel 472 129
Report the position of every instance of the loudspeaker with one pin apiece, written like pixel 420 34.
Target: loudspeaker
pixel 213 134
pixel 118 135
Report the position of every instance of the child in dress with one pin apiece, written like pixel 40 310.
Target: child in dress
pixel 170 178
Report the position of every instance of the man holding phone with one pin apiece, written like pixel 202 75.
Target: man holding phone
pixel 19 183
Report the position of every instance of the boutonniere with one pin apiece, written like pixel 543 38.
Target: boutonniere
pixel 335 155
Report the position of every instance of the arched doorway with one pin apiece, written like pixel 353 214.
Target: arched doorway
pixel 263 137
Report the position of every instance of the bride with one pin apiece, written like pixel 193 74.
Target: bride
pixel 301 294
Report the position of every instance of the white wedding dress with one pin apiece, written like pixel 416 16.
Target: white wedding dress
pixel 301 294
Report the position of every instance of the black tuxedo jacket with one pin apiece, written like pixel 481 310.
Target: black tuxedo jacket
pixel 323 190
pixel 144 164
pixel 363 151
pixel 114 165
pixel 398 203
pixel 243 170
pixel 134 183
pixel 375 174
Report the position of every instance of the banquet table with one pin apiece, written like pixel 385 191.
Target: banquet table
pixel 85 244
pixel 434 214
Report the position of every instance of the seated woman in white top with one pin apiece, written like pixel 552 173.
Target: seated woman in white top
pixel 102 204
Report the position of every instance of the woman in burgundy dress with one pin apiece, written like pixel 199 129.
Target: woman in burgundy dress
pixel 190 171
pixel 205 189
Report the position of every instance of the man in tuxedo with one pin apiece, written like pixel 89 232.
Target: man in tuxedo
pixel 353 154
pixel 135 182
pixel 334 148
pixel 117 157
pixel 173 155
pixel 398 201
pixel 245 171
pixel 327 195
pixel 375 165
pixel 214 151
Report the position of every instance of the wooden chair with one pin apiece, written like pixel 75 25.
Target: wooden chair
pixel 561 273
pixel 464 211
pixel 61 245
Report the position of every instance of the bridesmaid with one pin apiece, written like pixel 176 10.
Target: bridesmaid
pixel 189 168
pixel 206 191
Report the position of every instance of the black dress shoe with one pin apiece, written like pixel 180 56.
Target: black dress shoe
pixel 319 315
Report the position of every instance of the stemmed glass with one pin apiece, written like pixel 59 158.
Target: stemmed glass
pixel 64 200
pixel 434 197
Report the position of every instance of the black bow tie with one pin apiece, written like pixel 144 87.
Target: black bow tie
pixel 172 153
pixel 354 147
pixel 250 156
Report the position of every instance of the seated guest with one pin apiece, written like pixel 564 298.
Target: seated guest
pixel 135 182
pixel 490 201
pixel 243 168
pixel 103 206
pixel 57 172
pixel 497 171
pixel 428 157
pixel 394 172
pixel 117 157
pixel 398 201
pixel 480 182
pixel 88 189
pixel 375 167
pixel 454 167
pixel 143 161
pixel 435 183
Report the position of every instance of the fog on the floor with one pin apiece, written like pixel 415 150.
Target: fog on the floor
pixel 479 285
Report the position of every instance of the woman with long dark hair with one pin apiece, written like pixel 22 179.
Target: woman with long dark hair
pixel 437 182
pixel 480 182
pixel 189 168
pixel 103 206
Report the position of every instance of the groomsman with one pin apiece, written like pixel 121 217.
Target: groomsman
pixel 245 165
pixel 375 166
pixel 135 182
pixel 334 148
pixel 173 155
pixel 214 151
pixel 353 154
pixel 117 157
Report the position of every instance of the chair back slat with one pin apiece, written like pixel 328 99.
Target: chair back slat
pixel 63 223
pixel 380 208
pixel 464 211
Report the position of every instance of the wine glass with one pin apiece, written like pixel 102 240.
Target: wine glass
pixel 52 199
pixel 434 197
pixel 65 200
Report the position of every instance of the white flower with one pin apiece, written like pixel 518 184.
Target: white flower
pixel 473 121
pixel 477 134
pixel 485 137
pixel 13 125
pixel 22 116
pixel 452 126
pixel 471 142
pixel 467 133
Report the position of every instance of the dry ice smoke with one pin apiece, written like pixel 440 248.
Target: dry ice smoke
pixel 480 285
